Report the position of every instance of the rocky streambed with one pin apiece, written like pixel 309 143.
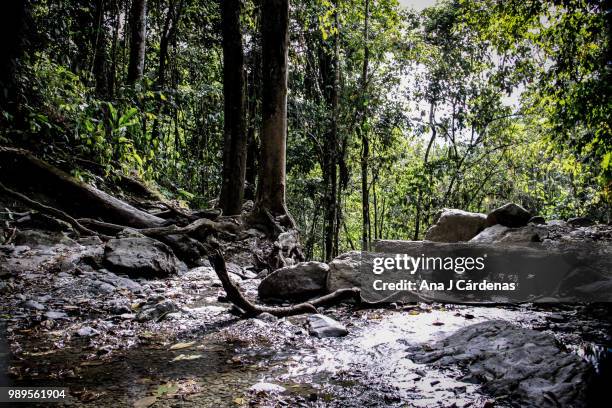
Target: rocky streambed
pixel 118 339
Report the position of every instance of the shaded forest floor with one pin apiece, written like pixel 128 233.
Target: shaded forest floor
pixel 98 334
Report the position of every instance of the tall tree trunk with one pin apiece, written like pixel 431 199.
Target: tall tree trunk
pixel 275 42
pixel 365 143
pixel 329 68
pixel 417 222
pixel 254 99
pixel 234 149
pixel 99 68
pixel 138 25
pixel 114 46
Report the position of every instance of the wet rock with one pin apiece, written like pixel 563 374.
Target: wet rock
pixel 455 225
pixel 580 222
pixel 240 271
pixel 525 364
pixel 537 220
pixel 140 256
pixel 53 315
pixel 157 311
pixel 509 215
pixel 344 271
pixel 267 388
pixel 323 326
pixel 119 281
pixel 87 331
pixel 119 306
pixel 98 287
pixel 32 304
pixel 41 239
pixel 556 223
pixel 297 282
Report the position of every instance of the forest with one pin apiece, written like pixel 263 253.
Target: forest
pixel 189 189
pixel 391 114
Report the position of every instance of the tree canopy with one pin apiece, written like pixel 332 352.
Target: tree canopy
pixel 392 113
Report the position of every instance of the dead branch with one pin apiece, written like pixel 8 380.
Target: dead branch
pixel 79 229
pixel 250 309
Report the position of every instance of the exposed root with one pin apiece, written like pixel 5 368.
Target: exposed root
pixel 54 212
pixel 250 309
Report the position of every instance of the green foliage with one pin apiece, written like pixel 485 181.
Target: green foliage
pixel 468 104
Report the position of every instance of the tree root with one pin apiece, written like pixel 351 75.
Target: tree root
pixel 54 212
pixel 250 309
pixel 199 226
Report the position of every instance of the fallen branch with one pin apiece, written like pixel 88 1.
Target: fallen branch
pixel 54 212
pixel 235 296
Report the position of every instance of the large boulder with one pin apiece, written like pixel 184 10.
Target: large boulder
pixel 141 257
pixel 301 281
pixel 344 271
pixel 527 365
pixel 456 225
pixel 509 215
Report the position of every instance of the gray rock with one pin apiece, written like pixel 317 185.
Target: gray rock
pixel 98 287
pixel 509 215
pixel 119 306
pixel 119 281
pixel 297 282
pixel 141 256
pixel 32 304
pixel 323 326
pixel 580 222
pixel 157 311
pixel 239 271
pixel 87 331
pixel 524 235
pixel 527 365
pixel 344 271
pixel 41 239
pixel 454 225
pixel 556 223
pixel 491 234
pixel 53 315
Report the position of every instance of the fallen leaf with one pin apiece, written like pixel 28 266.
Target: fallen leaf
pixel 239 401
